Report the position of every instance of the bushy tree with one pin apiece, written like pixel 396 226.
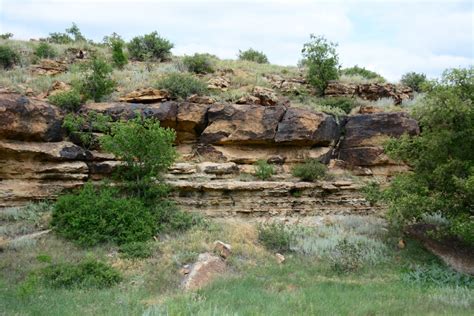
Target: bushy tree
pixel 441 157
pixel 6 36
pixel 118 55
pixel 65 38
pixel 199 63
pixel 8 57
pixel 364 73
pixel 150 46
pixel 253 55
pixel 414 80
pixel 181 85
pixel 96 82
pixel 45 50
pixel 321 58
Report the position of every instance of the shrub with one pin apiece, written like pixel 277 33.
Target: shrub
pixel 81 127
pixel 45 50
pixel 414 80
pixel 170 218
pixel 345 104
pixel 322 61
pixel 310 170
pixel 199 63
pixel 346 257
pixel 88 273
pixel 435 274
pixel 274 237
pixel 8 57
pixel 361 71
pixel 65 38
pixel 441 180
pixel 118 56
pixel 136 250
pixel 372 192
pixel 69 100
pixel 96 82
pixel 181 85
pixel 263 170
pixel 150 46
pixel 96 215
pixel 253 55
pixel 6 36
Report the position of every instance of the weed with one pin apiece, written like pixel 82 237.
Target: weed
pixel 263 170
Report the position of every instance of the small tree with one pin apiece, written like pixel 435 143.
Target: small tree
pixel 413 80
pixel 322 61
pixel 8 57
pixel 151 45
pixel 45 50
pixel 182 85
pixel 6 36
pixel 76 32
pixel 199 63
pixel 97 81
pixel 118 56
pixel 253 55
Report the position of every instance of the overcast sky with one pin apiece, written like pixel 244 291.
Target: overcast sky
pixel 390 37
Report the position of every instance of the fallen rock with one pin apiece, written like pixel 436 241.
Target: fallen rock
pixel 28 119
pixel 224 250
pixel 307 128
pixel 206 269
pixel 49 67
pixel 218 168
pixel 280 258
pixel 200 99
pixel 146 95
pixel 218 83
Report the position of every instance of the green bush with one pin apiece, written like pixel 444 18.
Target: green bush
pixel 253 55
pixel 414 80
pixel 361 71
pixel 182 85
pixel 97 215
pixel 6 36
pixel 199 63
pixel 81 127
pixel 45 50
pixel 150 46
pixel 441 157
pixel 343 103
pixel 274 237
pixel 88 273
pixel 310 170
pixel 136 250
pixel 8 57
pixel 69 100
pixel 96 82
pixel 346 256
pixel 263 170
pixel 118 56
pixel 435 274
pixel 372 192
pixel 65 38
pixel 322 61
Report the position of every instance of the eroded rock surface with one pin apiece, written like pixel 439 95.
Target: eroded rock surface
pixel 369 91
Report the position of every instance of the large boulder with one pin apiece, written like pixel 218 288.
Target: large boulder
pixel 365 134
pixel 146 95
pixel 28 119
pixel 57 151
pixel 191 120
pixel 242 124
pixel 307 128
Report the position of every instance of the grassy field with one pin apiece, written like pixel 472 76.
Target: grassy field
pixel 391 281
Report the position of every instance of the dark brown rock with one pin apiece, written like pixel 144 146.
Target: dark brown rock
pixel 191 120
pixel 307 128
pixel 241 123
pixel 28 119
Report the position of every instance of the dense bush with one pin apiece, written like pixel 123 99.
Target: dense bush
pixel 81 127
pixel 199 63
pixel 136 250
pixel 310 170
pixel 342 103
pixel 118 56
pixel 96 82
pixel 96 215
pixel 8 57
pixel 414 80
pixel 150 46
pixel 274 237
pixel 263 170
pixel 253 55
pixel 322 61
pixel 69 100
pixel 182 85
pixel 88 273
pixel 6 36
pixel 45 50
pixel 441 157
pixel 361 71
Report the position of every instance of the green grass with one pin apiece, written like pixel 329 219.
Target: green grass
pixel 306 284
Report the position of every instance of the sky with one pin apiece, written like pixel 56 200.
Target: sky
pixel 389 37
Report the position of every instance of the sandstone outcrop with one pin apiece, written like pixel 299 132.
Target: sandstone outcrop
pixel 49 67
pixel 369 91
pixel 146 95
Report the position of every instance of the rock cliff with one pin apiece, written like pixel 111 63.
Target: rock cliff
pixel 218 143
